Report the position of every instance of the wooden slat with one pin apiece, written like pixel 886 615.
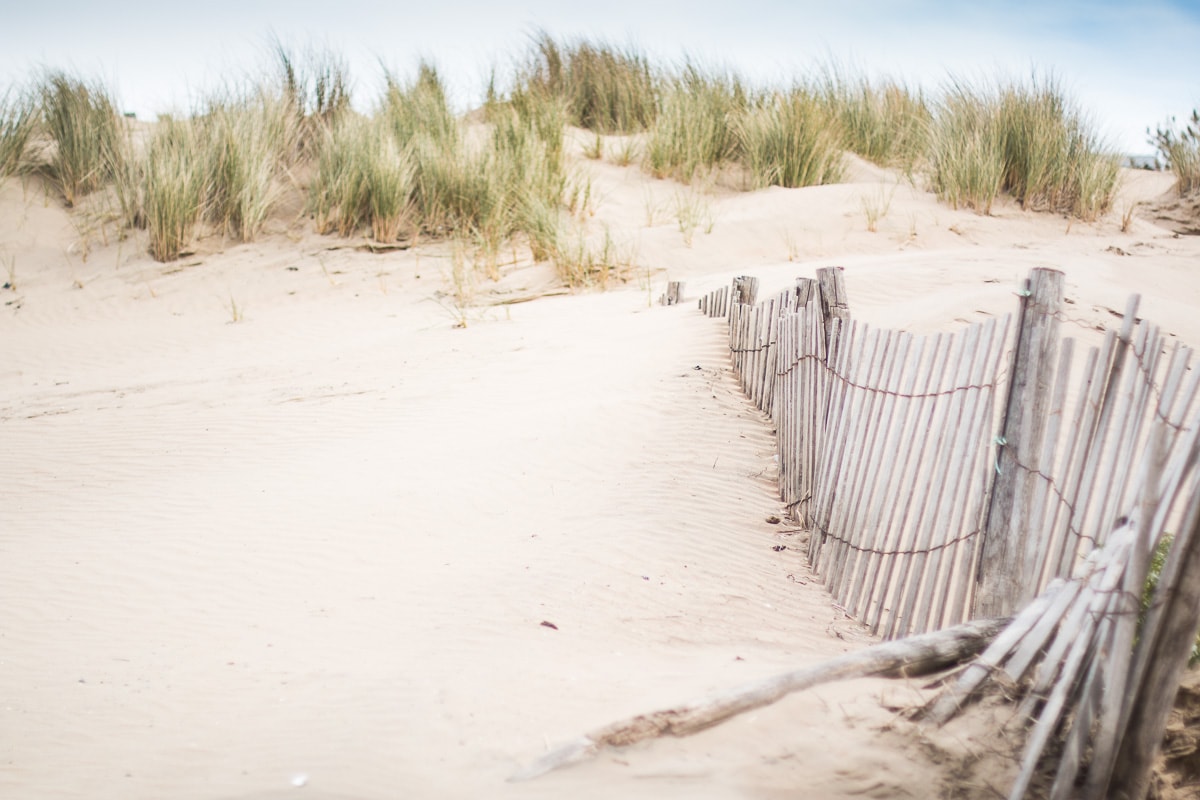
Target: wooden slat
pixel 863 399
pixel 899 455
pixel 873 462
pixel 1034 563
pixel 835 448
pixel 967 552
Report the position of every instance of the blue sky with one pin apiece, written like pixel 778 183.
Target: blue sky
pixel 1130 65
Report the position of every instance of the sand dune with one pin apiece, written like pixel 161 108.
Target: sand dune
pixel 321 543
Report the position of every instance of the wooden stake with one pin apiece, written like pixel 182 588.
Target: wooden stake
pixel 1002 589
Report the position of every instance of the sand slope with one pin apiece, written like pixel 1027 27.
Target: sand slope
pixel 322 540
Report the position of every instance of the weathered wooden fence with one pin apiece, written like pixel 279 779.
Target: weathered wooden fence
pixel 985 473
pixel 883 447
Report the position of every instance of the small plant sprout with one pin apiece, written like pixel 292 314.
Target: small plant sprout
pixel 652 207
pixel 594 149
pixel 462 278
pixel 793 247
pixel 627 153
pixel 876 206
pixel 693 211
pixel 1127 216
pixel 10 270
pixel 237 313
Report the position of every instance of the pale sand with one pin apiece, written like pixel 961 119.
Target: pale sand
pixel 320 544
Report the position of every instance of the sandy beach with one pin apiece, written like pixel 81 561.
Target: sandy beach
pixel 274 523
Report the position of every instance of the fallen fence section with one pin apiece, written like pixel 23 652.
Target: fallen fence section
pixel 988 472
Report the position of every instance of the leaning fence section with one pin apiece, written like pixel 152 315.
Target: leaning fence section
pixel 997 472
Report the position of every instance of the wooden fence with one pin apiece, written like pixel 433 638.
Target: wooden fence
pixel 989 472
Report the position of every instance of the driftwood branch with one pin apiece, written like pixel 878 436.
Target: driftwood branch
pixel 916 655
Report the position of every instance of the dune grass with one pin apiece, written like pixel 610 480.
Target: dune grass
pixel 414 164
pixel 363 176
pixel 966 150
pixel 1026 140
pixel 315 85
pixel 886 123
pixel 606 89
pixel 81 121
pixel 413 167
pixel 696 129
pixel 245 146
pixel 174 188
pixel 336 194
pixel 1181 150
pixel 791 141
pixel 17 118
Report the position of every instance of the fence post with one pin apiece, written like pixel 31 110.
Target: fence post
pixel 1002 589
pixel 745 290
pixel 673 295
pixel 834 303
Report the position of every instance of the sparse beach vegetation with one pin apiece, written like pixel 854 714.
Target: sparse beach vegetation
pixel 413 167
pixel 1181 150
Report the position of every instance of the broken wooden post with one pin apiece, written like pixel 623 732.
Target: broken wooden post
pixel 835 304
pixel 1002 587
pixel 674 294
pixel 745 290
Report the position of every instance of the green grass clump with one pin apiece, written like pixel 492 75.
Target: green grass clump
pixel 246 144
pixel 17 119
pixel 791 141
pixel 129 183
pixel 696 129
pixel 451 184
pixel 173 188
pixel 363 176
pixel 887 124
pixel 1181 150
pixel 1026 140
pixel 336 192
pixel 528 161
pixel 967 150
pixel 606 89
pixel 389 180
pixel 81 120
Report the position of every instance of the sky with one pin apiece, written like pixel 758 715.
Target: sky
pixel 1129 65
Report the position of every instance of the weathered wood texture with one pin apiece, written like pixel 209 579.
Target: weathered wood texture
pixel 1071 652
pixel 1002 587
pixel 902 472
pixel 1095 507
pixel 715 303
